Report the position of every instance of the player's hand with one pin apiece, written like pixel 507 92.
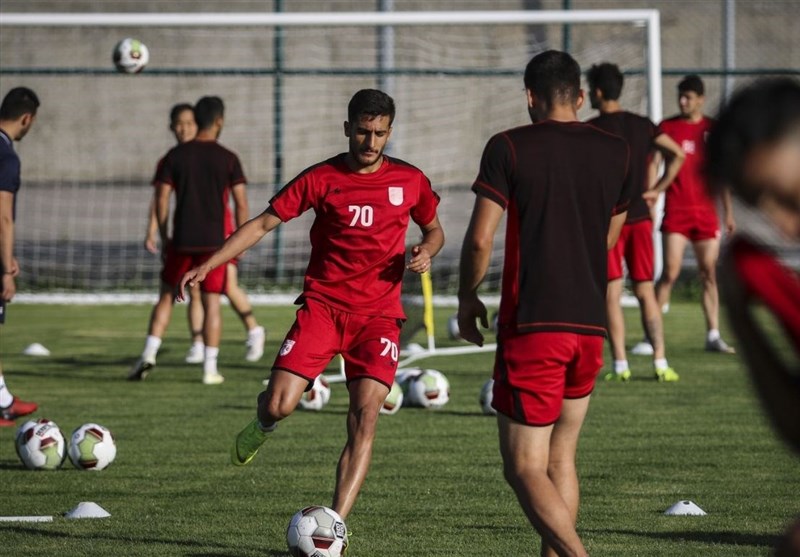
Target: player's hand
pixel 420 260
pixel 151 244
pixel 9 287
pixel 191 277
pixel 14 270
pixel 730 224
pixel 471 308
pixel 651 197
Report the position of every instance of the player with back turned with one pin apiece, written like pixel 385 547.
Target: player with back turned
pixel 364 202
pixel 635 244
pixel 565 187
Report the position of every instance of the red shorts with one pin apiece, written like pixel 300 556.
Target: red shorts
pixel 697 225
pixel 177 264
pixel 535 372
pixel 635 246
pixel 368 343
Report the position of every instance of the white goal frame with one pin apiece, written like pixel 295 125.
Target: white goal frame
pixel 647 18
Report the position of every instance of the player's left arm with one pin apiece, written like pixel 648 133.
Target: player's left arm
pixel 242 210
pixel 727 208
pixel 431 244
pixel 9 264
pixel 674 157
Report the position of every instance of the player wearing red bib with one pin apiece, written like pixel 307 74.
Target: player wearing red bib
pixel 635 244
pixel 363 202
pixel 690 213
pixel 565 187
pixel 755 150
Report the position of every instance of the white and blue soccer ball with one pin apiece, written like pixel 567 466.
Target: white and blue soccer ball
pixel 318 396
pixel 316 531
pixel 428 389
pixel 394 400
pixel 92 447
pixel 130 55
pixel 485 398
pixel 40 445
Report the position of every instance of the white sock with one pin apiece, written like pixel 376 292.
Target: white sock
pixel 660 363
pixel 713 334
pixel 151 346
pixel 620 366
pixel 6 398
pixel 210 361
pixel 255 331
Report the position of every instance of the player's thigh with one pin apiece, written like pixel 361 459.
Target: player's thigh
pixel 707 253
pixel 564 439
pixel 372 348
pixel 674 244
pixel 524 446
pixel 311 342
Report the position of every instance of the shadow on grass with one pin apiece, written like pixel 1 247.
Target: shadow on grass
pixel 718 537
pixel 219 550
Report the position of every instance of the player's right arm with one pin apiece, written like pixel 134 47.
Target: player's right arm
pixel 151 237
pixel 673 156
pixel 162 210
pixel 245 237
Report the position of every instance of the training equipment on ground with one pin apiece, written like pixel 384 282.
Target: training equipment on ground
pixel 130 55
pixel 318 396
pixel 485 398
pixel 428 389
pixel 685 508
pixel 40 445
pixel 394 400
pixel 316 532
pixel 92 447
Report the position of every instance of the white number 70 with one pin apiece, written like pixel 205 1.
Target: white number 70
pixel 389 348
pixel 362 214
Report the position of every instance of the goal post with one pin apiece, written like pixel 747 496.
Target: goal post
pixel 285 78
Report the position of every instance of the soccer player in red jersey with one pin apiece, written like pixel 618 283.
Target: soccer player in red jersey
pixel 204 175
pixel 755 150
pixel 183 126
pixel 635 244
pixel 17 114
pixel 363 202
pixel 690 213
pixel 565 187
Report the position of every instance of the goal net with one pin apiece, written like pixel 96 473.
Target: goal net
pixel 286 79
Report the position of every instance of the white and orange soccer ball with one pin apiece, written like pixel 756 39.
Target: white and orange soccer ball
pixel 316 532
pixel 318 396
pixel 427 389
pixel 394 400
pixel 130 55
pixel 40 445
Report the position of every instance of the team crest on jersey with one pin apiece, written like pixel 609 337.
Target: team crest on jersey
pixel 287 347
pixel 395 195
pixel 688 146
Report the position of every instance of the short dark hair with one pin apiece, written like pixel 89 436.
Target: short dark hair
pixel 370 102
pixel 177 110
pixel 760 114
pixel 692 83
pixel 207 110
pixel 607 78
pixel 554 77
pixel 18 101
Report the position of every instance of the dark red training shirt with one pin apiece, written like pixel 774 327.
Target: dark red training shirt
pixel 639 133
pixel 561 184
pixel 202 174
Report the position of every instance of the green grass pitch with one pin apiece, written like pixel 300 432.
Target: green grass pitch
pixel 435 487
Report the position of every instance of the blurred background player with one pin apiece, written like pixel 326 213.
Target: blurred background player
pixel 204 175
pixel 690 213
pixel 17 114
pixel 635 244
pixel 566 188
pixel 184 128
pixel 754 149
pixel 351 306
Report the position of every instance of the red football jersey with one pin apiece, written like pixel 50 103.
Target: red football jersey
pixel 688 192
pixel 358 236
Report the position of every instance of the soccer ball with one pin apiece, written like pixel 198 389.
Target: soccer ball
pixel 40 445
pixel 318 396
pixel 130 56
pixel 316 532
pixel 92 447
pixel 429 389
pixel 485 398
pixel 394 400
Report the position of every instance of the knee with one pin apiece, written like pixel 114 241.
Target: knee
pixel 708 276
